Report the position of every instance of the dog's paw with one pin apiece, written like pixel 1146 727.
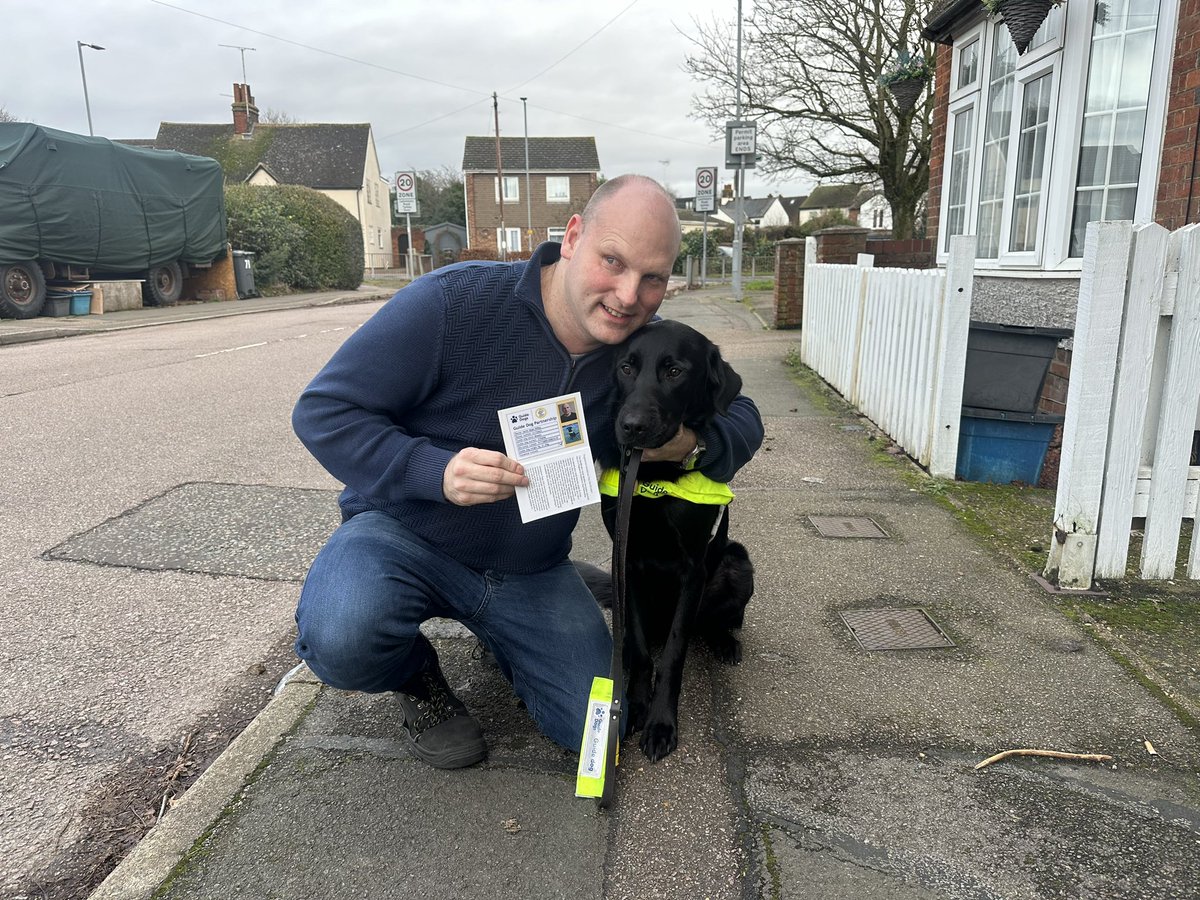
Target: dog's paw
pixel 659 739
pixel 725 647
pixel 637 716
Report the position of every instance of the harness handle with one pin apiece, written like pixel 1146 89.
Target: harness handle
pixel 630 461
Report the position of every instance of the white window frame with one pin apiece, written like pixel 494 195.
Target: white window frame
pixel 1044 66
pixel 512 188
pixel 969 102
pixel 512 243
pixel 556 234
pixel 566 183
pixel 1065 55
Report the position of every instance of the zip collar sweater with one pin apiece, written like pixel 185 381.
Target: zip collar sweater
pixel 425 376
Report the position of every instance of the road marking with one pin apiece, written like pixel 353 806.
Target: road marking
pixel 231 350
pixel 264 343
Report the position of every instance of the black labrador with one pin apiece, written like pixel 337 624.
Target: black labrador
pixel 684 576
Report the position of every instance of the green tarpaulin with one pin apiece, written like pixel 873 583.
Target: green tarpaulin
pixel 88 201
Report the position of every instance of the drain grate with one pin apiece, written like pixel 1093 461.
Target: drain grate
pixel 847 527
pixel 895 629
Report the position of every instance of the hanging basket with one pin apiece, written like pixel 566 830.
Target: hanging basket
pixel 907 92
pixel 1024 18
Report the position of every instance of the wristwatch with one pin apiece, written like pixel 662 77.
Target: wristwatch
pixel 692 460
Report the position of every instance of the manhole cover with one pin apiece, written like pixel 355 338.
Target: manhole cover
pixel 847 527
pixel 254 531
pixel 894 629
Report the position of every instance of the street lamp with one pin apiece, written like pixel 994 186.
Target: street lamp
pixel 82 74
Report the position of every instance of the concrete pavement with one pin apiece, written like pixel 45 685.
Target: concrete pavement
pixel 816 768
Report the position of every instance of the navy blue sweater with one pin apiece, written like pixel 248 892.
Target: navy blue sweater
pixel 424 377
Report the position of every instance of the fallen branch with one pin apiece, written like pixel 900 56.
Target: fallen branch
pixel 1056 754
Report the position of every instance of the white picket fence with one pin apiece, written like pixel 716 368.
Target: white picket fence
pixel 894 343
pixel 1133 404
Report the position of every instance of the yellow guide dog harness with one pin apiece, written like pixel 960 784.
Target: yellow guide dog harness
pixel 695 487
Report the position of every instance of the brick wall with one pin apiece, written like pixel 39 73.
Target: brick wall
pixel 1178 201
pixel 841 244
pixel 789 283
pixel 937 151
pixel 1054 401
pixel 915 253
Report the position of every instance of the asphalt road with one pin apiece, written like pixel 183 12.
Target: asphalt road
pixel 157 516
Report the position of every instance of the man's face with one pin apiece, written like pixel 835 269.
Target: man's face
pixel 617 268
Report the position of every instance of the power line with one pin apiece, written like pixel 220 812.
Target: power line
pixel 484 95
pixel 573 49
pixel 321 50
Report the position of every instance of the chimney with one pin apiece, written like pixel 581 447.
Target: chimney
pixel 245 113
pixel 727 192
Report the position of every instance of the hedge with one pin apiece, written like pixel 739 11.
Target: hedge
pixel 301 239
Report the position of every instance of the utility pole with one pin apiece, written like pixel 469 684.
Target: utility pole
pixel 528 194
pixel 740 176
pixel 501 243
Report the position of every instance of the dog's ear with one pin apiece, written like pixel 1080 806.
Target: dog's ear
pixel 724 383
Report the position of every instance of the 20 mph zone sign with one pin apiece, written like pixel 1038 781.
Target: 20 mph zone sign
pixel 706 189
pixel 406 192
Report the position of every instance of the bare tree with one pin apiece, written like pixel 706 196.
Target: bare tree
pixel 810 77
pixel 6 116
pixel 278 117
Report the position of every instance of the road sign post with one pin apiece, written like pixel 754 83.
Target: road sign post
pixel 406 202
pixel 706 202
pixel 740 152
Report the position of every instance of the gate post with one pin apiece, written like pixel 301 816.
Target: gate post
pixel 1086 429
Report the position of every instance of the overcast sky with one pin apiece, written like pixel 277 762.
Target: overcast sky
pixel 422 74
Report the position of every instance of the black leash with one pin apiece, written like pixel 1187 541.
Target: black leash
pixel 628 482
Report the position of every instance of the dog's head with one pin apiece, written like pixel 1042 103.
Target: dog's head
pixel 668 374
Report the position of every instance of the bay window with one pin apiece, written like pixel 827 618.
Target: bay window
pixel 1070 132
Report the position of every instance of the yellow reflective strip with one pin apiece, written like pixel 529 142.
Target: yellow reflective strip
pixel 589 780
pixel 695 487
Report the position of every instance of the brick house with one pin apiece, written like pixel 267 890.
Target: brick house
pixel 563 174
pixel 1098 119
pixel 337 159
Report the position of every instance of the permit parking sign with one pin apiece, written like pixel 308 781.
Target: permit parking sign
pixel 741 140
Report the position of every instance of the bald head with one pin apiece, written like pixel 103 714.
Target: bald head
pixel 634 190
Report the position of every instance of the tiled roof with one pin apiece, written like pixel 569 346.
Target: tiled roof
pixel 832 196
pixel 561 154
pixel 320 156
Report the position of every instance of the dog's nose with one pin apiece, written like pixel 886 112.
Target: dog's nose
pixel 631 429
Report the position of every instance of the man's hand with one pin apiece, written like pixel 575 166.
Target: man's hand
pixel 674 450
pixel 481 476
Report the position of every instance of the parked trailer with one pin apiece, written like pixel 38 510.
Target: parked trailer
pixel 76 208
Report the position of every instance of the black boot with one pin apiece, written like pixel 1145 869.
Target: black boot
pixel 440 731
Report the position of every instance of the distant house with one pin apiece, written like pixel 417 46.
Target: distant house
pixel 563 174
pixel 874 211
pixel 791 206
pixel 339 160
pixel 831 198
pixel 765 212
pixel 762 212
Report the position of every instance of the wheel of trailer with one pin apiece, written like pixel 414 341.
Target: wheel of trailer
pixel 163 285
pixel 22 290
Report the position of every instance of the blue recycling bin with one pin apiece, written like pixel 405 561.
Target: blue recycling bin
pixel 1002 447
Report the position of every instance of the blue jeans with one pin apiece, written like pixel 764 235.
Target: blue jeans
pixel 375 582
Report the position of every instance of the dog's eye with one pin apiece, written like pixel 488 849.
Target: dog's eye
pixel 626 369
pixel 674 372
